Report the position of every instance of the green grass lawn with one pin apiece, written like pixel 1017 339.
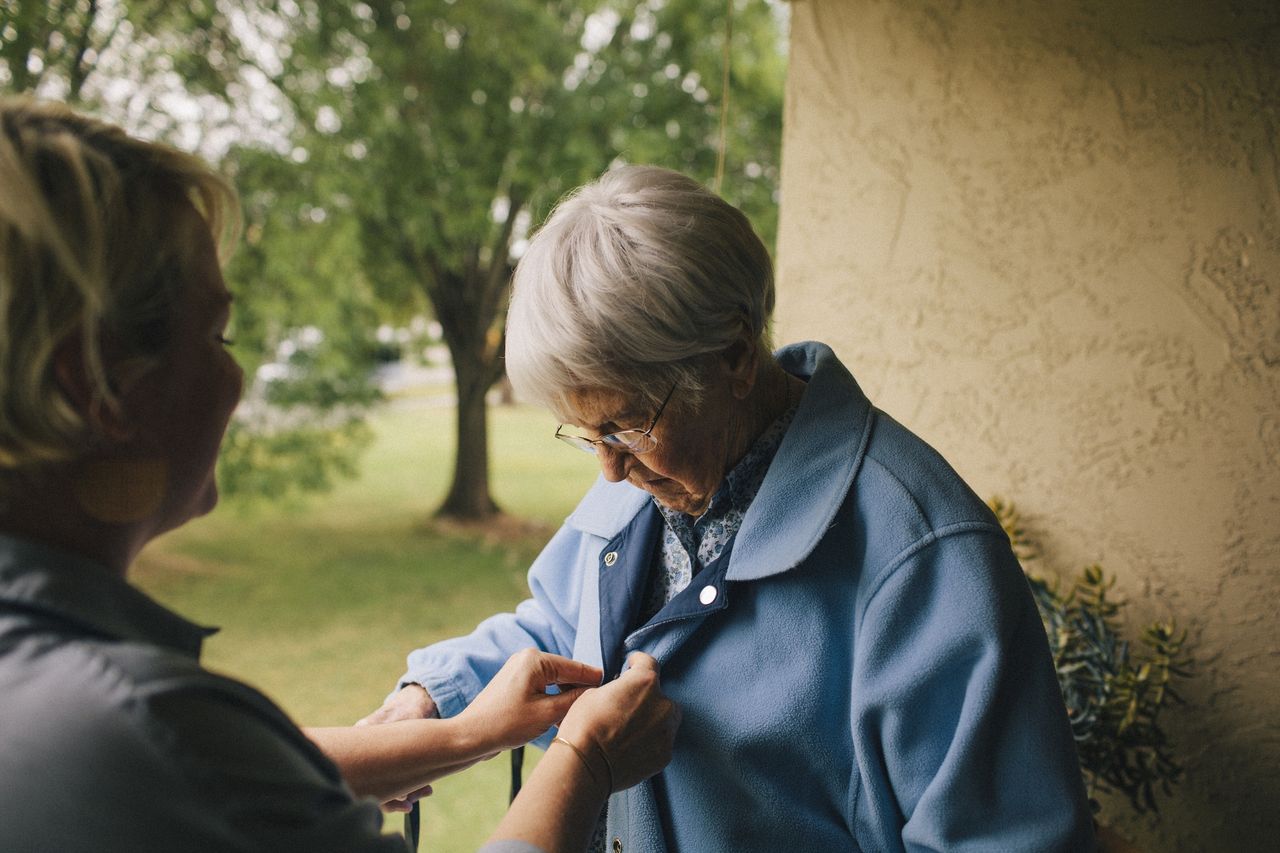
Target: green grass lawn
pixel 320 600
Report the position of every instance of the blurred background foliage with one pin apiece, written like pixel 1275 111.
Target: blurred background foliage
pixel 393 156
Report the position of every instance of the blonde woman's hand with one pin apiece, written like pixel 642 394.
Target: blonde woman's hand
pixel 516 706
pixel 625 729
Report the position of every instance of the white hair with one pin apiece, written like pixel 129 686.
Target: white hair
pixel 631 284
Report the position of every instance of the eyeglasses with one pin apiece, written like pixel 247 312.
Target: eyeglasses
pixel 627 440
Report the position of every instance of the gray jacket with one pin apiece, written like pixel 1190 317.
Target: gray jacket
pixel 114 738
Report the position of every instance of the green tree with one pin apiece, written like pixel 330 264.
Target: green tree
pixel 301 330
pixel 50 38
pixel 137 62
pixel 459 125
pixel 192 74
pixel 393 155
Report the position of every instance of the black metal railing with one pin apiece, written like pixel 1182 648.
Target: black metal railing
pixel 413 820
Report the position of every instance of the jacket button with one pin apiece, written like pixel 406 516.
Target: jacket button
pixel 617 845
pixel 708 595
pixel 611 558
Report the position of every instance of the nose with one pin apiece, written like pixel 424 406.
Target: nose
pixel 614 464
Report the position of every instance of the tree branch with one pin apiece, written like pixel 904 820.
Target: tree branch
pixel 500 249
pixel 79 71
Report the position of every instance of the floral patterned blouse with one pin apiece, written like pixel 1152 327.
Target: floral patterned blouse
pixel 688 543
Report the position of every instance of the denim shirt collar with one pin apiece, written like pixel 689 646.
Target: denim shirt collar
pixel 55 584
pixel 804 487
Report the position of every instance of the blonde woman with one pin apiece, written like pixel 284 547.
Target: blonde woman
pixel 115 390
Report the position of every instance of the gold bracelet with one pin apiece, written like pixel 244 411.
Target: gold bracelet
pixel 587 764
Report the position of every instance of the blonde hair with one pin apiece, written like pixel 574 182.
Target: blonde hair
pixel 89 249
pixel 632 283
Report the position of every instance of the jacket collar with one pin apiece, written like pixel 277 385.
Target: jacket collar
pixel 806 484
pixel 71 589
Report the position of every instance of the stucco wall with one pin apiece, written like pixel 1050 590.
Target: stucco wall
pixel 1046 237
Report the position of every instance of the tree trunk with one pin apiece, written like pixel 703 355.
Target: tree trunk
pixel 469 304
pixel 469 497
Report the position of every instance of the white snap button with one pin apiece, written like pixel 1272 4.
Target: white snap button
pixel 611 558
pixel 708 595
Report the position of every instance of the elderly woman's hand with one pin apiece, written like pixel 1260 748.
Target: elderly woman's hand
pixel 625 730
pixel 411 702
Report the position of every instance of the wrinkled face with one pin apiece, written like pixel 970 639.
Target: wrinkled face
pixel 182 407
pixel 694 452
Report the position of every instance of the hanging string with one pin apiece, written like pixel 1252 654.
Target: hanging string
pixel 724 95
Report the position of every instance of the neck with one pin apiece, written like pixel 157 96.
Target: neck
pixel 773 393
pixel 44 508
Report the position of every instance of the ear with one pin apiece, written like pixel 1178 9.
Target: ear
pixel 741 361
pixel 103 413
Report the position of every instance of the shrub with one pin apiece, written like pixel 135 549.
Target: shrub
pixel 1113 694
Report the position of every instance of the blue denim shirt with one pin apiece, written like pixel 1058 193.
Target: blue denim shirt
pixel 863 668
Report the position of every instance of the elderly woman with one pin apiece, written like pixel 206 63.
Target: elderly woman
pixel 855 650
pixel 116 389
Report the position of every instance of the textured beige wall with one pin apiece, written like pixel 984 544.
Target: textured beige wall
pixel 1046 237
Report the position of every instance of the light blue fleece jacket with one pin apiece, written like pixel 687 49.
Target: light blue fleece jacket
pixel 864 669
